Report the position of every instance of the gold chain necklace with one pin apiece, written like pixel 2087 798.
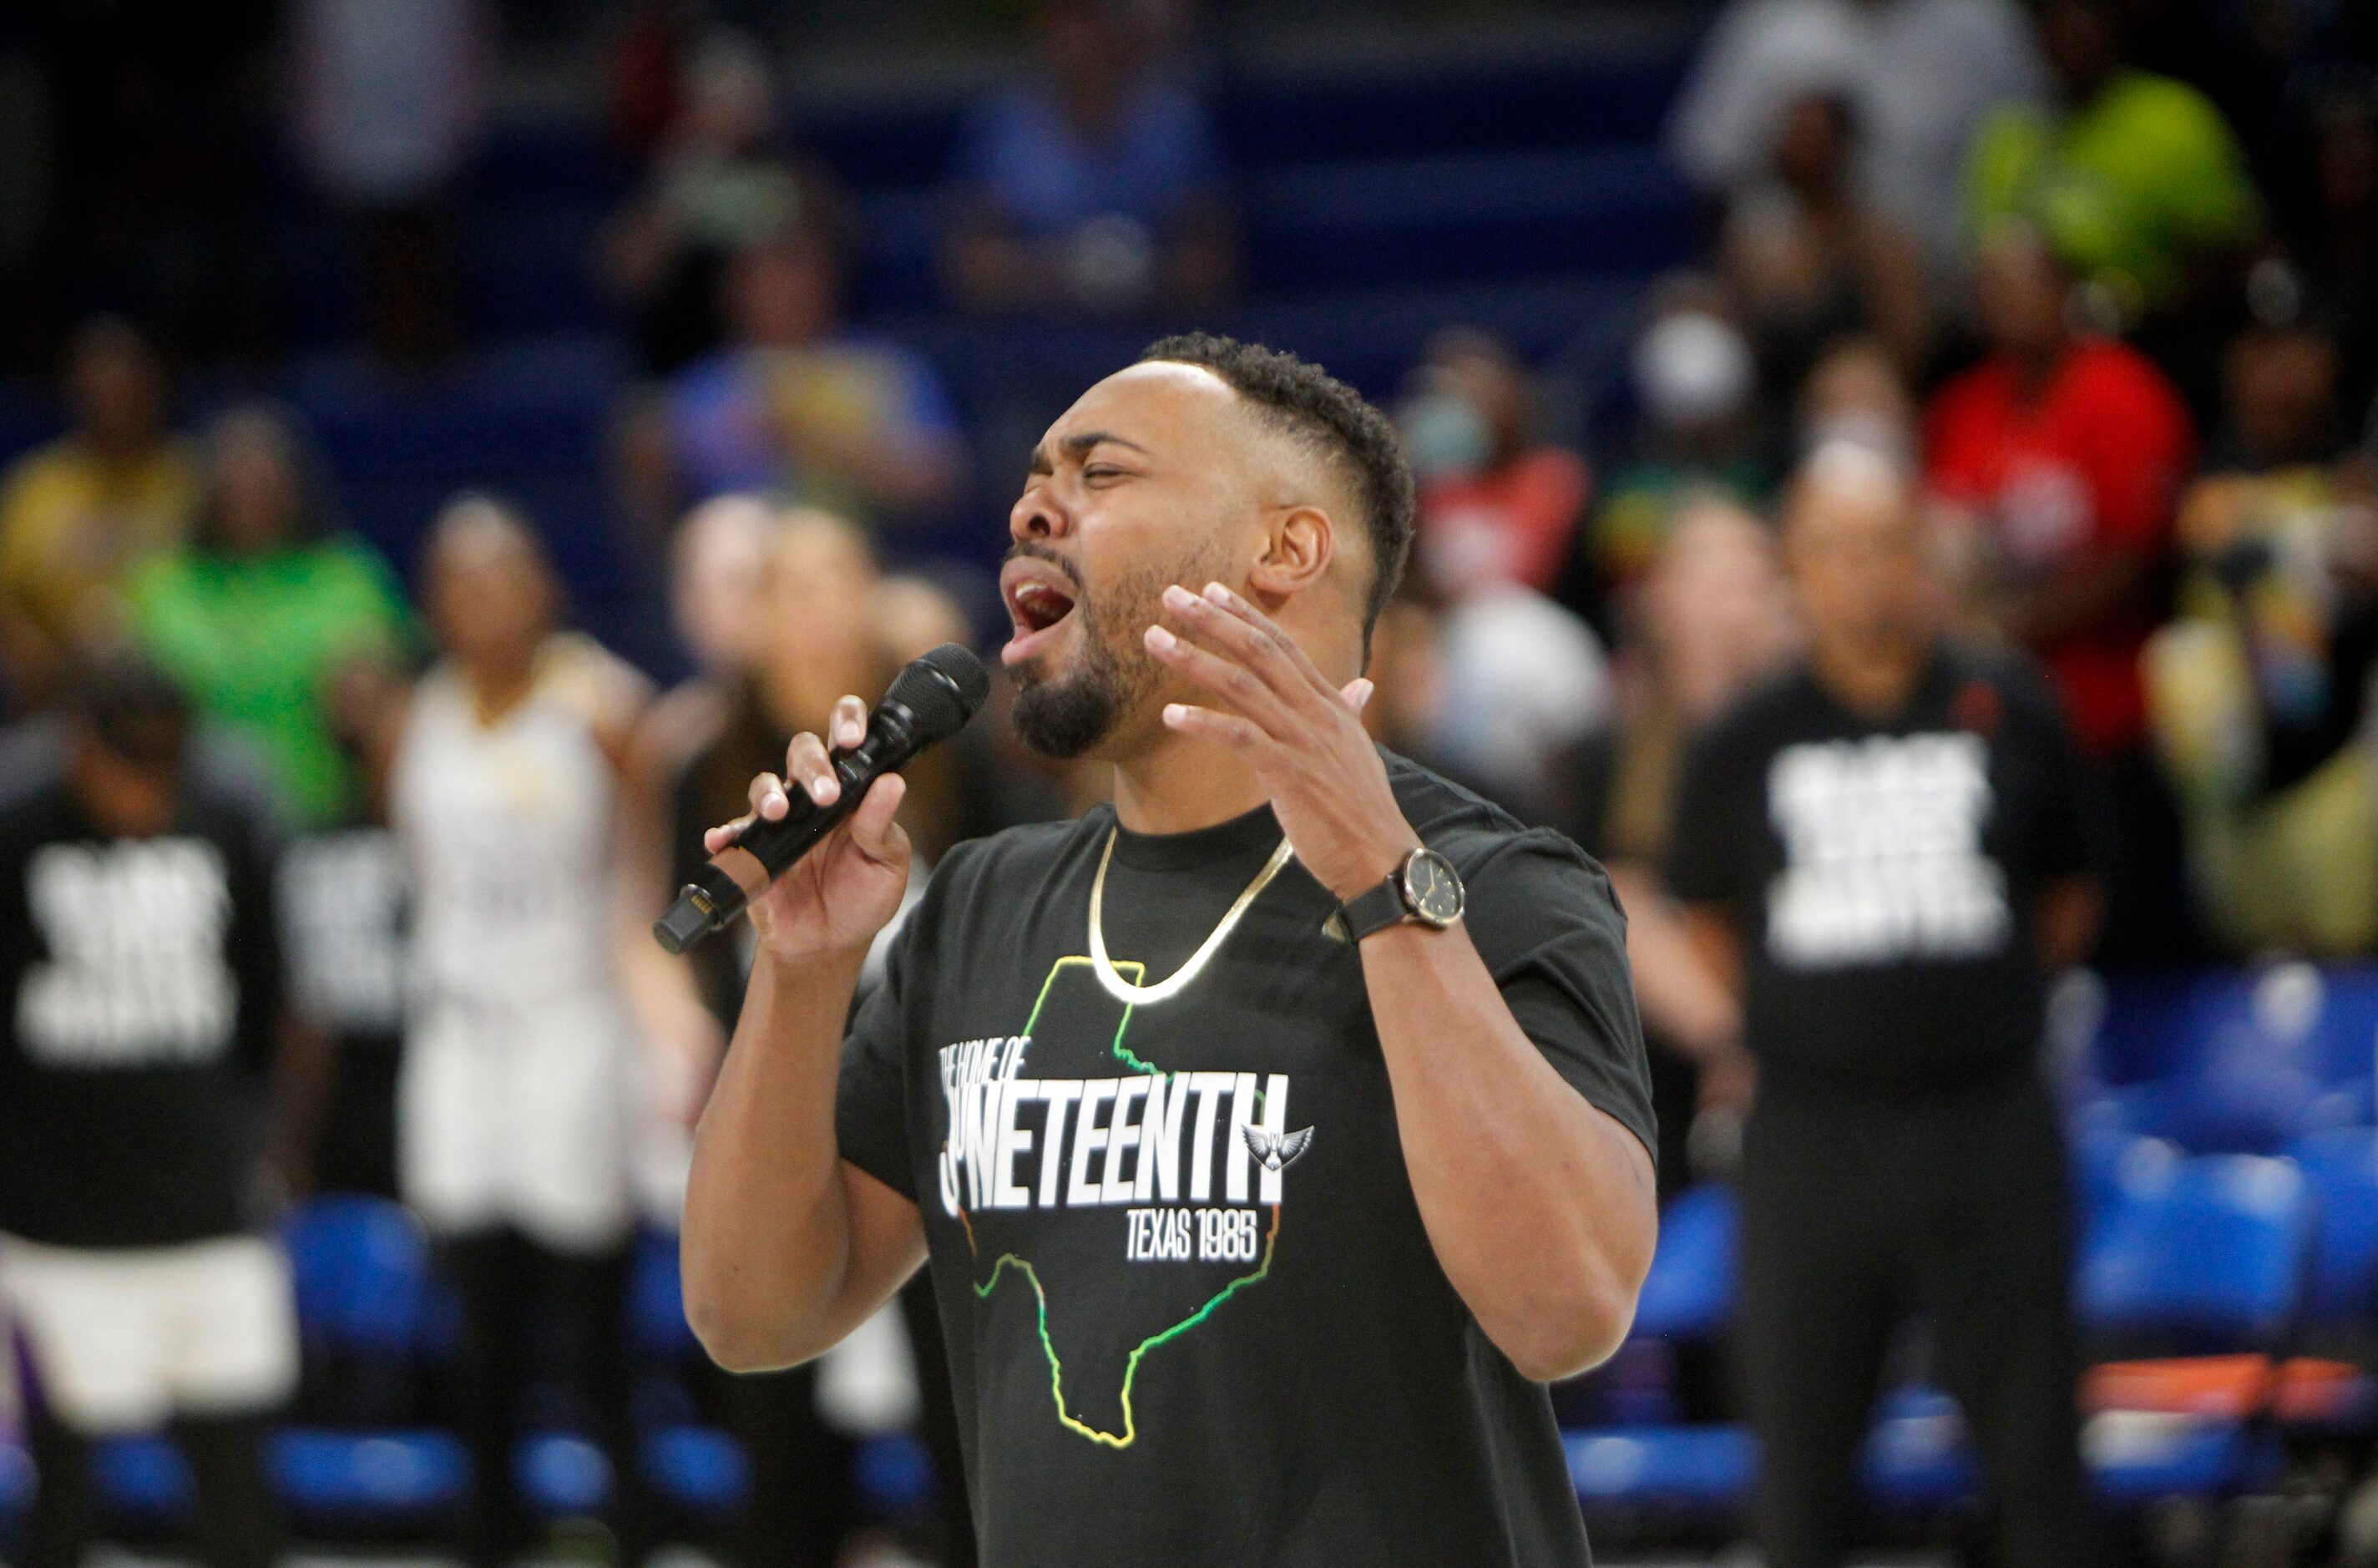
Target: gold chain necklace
pixel 1171 985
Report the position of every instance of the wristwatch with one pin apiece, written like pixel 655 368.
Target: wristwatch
pixel 1425 889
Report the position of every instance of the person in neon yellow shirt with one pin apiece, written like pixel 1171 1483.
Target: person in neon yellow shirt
pixel 2134 176
pixel 266 607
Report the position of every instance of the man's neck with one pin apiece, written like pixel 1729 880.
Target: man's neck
pixel 1876 679
pixel 1177 785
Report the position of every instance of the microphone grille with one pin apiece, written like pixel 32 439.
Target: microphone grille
pixel 943 689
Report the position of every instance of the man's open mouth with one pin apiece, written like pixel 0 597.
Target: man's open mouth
pixel 1039 597
pixel 1036 606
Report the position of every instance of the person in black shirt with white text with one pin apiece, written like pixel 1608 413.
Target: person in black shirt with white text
pixel 1263 1180
pixel 1884 846
pixel 138 1043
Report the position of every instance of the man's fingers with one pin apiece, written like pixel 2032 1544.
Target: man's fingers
pixel 1227 679
pixel 1357 693
pixel 1234 607
pixel 768 798
pixel 848 725
pixel 718 838
pixel 806 766
pixel 872 829
pixel 1240 735
pixel 1240 640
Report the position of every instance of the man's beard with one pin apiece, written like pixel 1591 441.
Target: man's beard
pixel 1113 676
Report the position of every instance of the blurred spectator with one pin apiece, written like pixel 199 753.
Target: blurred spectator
pixel 77 513
pixel 1098 186
pixel 1498 506
pixel 2333 241
pixel 1711 619
pixel 2133 176
pixel 2056 462
pixel 1698 432
pixel 136 1046
pixel 1811 259
pixel 390 103
pixel 2259 690
pixel 1856 392
pixel 343 927
pixel 720 180
pixel 819 630
pixel 1891 832
pixel 795 402
pixel 517 1102
pixel 2065 451
pixel 257 616
pixel 1918 75
pixel 1522 680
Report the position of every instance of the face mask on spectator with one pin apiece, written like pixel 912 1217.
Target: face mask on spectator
pixel 1446 435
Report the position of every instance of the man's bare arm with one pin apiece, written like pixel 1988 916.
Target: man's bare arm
pixel 1540 1207
pixel 788 1247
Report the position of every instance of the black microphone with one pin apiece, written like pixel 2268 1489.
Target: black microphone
pixel 929 701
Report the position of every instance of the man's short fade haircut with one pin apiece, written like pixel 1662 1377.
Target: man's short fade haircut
pixel 1335 423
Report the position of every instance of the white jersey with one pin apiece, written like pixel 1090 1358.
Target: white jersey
pixel 509 829
pixel 518 1098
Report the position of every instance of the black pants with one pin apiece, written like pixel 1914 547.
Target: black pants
pixel 239 1516
pixel 1860 1207
pixel 532 1316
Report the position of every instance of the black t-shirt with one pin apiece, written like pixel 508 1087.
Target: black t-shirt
pixel 141 984
pixel 1883 873
pixel 1164 1350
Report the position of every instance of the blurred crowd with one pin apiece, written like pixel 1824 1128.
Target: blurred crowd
pixel 2092 279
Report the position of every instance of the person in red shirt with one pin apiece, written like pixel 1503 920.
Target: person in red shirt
pixel 1497 507
pixel 2064 452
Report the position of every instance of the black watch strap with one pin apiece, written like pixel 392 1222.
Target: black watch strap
pixel 1376 910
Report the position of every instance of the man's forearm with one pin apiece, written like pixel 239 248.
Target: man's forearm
pixel 1540 1207
pixel 766 1242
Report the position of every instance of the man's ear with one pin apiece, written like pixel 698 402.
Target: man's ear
pixel 1297 551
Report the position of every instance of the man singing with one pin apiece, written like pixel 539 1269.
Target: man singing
pixel 1275 1132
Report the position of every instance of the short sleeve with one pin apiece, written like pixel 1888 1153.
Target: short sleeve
pixel 1704 863
pixel 870 1104
pixel 1544 920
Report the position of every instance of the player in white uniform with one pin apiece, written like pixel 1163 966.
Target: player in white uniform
pixel 519 1086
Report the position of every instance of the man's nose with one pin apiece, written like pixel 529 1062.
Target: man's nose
pixel 1035 515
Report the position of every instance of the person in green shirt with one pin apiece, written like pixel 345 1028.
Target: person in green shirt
pixel 259 615
pixel 2133 176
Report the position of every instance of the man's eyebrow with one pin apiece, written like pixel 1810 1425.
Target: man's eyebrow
pixel 1078 447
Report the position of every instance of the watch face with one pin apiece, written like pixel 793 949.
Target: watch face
pixel 1431 891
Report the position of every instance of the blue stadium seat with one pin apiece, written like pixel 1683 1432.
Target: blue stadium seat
pixel 2138 1457
pixel 1688 1298
pixel 698 1468
pixel 560 1473
pixel 895 1474
pixel 1689 1295
pixel 2206 1260
pixel 361 1271
pixel 656 1324
pixel 365 1288
pixel 143 1476
pixel 2341 1167
pixel 1691 1470
pixel 1917 1457
pixel 370 1476
pixel 2209 1259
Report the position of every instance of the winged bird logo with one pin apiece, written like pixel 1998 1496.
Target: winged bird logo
pixel 1278 1151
